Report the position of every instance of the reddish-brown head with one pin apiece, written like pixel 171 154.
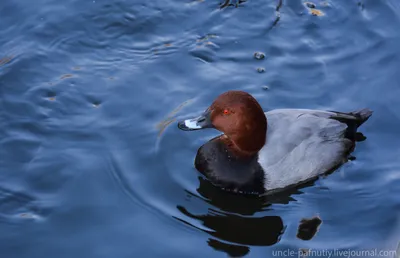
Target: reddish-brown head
pixel 239 116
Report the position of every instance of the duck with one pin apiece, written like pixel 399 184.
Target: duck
pixel 260 152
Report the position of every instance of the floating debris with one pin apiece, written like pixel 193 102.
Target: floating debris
pixel 310 5
pixel 96 104
pixel 193 2
pixel 277 14
pixel 259 55
pixel 316 12
pixel 206 43
pixel 162 125
pixel 326 4
pixel 76 68
pixel 207 37
pixel 170 118
pixel 260 69
pixel 203 53
pixel 225 4
pixel 308 228
pixel 265 87
pixel 65 76
pixel 28 216
pixel 228 3
pixel 51 96
pixel 167 44
pixel 5 60
pixel 312 8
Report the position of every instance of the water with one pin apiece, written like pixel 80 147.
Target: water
pixel 93 165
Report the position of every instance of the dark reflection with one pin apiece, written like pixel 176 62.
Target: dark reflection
pixel 231 250
pixel 261 231
pixel 231 219
pixel 239 203
pixel 308 228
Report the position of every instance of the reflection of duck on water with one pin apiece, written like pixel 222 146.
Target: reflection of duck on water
pixel 238 203
pixel 232 224
pixel 231 250
pixel 237 230
pixel 308 228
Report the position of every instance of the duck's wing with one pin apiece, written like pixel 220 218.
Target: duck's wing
pixel 302 144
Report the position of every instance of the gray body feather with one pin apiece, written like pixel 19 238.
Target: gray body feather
pixel 302 144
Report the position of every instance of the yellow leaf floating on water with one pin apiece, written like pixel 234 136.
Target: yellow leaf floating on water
pixel 316 12
pixel 311 7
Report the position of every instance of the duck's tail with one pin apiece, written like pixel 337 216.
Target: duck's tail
pixel 353 120
pixel 362 115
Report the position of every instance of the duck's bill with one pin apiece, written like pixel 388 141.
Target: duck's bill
pixel 200 122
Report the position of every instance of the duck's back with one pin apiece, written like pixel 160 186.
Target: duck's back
pixel 302 144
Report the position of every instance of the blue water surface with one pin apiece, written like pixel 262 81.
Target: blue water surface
pixel 92 163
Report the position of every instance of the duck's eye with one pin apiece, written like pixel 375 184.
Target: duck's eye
pixel 226 111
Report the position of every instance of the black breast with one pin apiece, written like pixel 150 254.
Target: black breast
pixel 215 161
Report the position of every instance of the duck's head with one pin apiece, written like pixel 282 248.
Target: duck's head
pixel 239 116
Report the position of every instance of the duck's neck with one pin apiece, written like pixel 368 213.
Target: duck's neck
pixel 246 145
